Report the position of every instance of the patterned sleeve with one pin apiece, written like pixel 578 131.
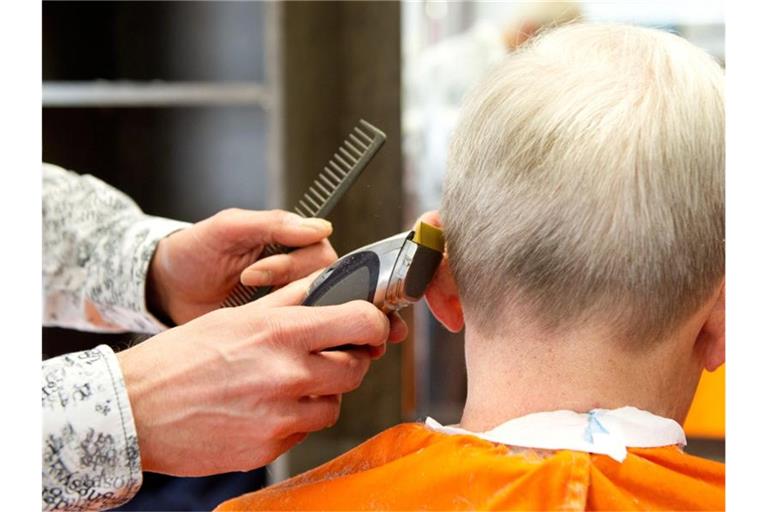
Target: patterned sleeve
pixel 97 245
pixel 90 452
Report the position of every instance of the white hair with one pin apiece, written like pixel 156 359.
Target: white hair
pixel 586 183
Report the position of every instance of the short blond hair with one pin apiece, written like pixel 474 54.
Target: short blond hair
pixel 586 183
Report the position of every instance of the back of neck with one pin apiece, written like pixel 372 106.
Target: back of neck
pixel 526 372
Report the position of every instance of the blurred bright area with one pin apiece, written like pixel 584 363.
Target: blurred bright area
pixel 706 418
pixel 449 45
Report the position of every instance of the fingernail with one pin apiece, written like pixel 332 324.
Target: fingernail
pixel 316 224
pixel 258 277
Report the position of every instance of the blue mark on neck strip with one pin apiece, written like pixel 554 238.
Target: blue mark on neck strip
pixel 593 426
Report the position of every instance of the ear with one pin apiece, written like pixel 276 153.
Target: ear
pixel 711 337
pixel 443 298
pixel 442 294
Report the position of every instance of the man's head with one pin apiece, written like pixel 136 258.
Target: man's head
pixel 585 185
pixel 584 220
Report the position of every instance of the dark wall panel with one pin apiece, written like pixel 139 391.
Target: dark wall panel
pixel 183 41
pixel 184 163
pixel 341 62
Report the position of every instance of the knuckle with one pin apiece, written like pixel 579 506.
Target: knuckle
pixel 286 444
pixel 369 316
pixel 280 428
pixel 355 369
pixel 260 327
pixel 270 430
pixel 331 414
pixel 299 380
pixel 357 365
pixel 353 382
pixel 294 331
pixel 322 415
pixel 290 381
pixel 360 371
pixel 281 216
pixel 228 214
pixel 328 254
pixel 225 220
pixel 278 222
pixel 277 330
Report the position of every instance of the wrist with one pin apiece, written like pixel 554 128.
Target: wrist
pixel 156 294
pixel 136 387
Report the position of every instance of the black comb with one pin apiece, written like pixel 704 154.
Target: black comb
pixel 337 176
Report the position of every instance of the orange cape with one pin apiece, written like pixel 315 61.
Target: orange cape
pixel 411 467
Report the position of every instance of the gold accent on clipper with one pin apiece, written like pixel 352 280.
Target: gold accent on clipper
pixel 429 236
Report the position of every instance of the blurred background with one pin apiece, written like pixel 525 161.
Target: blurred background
pixel 192 107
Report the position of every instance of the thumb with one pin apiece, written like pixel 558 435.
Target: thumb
pixel 289 295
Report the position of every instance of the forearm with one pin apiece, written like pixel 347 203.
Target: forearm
pixel 91 456
pixel 97 246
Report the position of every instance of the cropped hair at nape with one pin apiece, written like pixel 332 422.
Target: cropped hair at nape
pixel 585 183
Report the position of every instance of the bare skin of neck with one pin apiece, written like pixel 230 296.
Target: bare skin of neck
pixel 525 371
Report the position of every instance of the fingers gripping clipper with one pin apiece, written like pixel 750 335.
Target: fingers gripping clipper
pixel 391 273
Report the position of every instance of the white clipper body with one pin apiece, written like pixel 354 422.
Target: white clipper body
pixel 391 273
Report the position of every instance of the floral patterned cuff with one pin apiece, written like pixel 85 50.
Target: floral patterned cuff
pixel 91 455
pixel 139 243
pixel 97 246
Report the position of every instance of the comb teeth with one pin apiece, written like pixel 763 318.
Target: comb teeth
pixel 342 170
pixel 354 153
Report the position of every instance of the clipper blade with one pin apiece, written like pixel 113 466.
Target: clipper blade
pixel 429 236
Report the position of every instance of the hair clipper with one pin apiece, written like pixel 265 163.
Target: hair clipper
pixel 391 273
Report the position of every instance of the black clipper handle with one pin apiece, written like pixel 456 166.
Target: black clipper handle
pixel 351 278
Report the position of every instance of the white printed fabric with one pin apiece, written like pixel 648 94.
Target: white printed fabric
pixel 97 245
pixel 90 451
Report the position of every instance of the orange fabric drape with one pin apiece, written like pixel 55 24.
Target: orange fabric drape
pixel 410 467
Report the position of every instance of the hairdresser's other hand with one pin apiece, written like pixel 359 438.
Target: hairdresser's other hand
pixel 237 387
pixel 193 270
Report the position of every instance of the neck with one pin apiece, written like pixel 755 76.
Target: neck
pixel 526 372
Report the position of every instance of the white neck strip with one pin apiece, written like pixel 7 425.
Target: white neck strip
pixel 604 431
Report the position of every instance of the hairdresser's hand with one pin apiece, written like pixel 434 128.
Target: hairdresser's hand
pixel 237 387
pixel 193 270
